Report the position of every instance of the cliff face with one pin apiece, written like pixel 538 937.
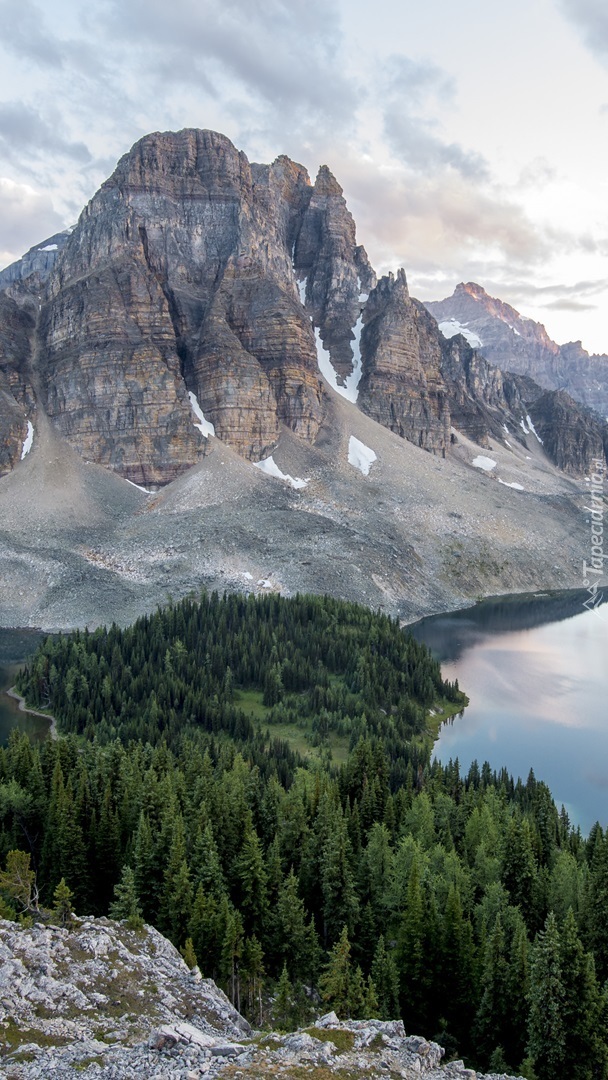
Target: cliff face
pixel 181 278
pixel 401 385
pixel 16 392
pixel 515 343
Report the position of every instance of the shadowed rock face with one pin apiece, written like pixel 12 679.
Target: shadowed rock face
pixel 485 401
pixel 16 394
pixel 402 386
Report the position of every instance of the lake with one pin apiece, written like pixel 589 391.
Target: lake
pixel 16 646
pixel 535 669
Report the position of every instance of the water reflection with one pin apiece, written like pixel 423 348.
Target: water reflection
pixel 536 674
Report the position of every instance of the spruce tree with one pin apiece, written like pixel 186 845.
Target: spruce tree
pixel 126 902
pixel 336 981
pixel 62 907
pixel 386 982
pixel 546 997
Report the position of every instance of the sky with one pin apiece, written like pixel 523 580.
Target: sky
pixel 470 138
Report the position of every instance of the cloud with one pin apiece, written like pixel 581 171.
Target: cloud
pixel 23 129
pixel 568 305
pixel 24 33
pixel 591 18
pixel 414 82
pixel 414 143
pixel 26 218
pixel 279 54
pixel 437 221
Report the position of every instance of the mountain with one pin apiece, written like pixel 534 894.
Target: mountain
pixel 39 260
pixel 518 344
pixel 207 315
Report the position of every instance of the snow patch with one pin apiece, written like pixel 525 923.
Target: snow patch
pixel 360 455
pixel 138 486
pixel 29 438
pixel 516 487
pixel 350 389
pixel 533 429
pixel 264 583
pixel 485 463
pixel 247 575
pixel 270 467
pixel 525 430
pixel 452 327
pixel 49 247
pixel 507 443
pixel 302 290
pixel 205 427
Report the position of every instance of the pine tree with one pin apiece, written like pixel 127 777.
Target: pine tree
pixel 252 884
pixel 546 1034
pixel 340 903
pixel 386 982
pixel 585 1045
pixel 62 908
pixel 252 966
pixel 493 1012
pixel 283 1005
pixel 188 953
pixel 336 981
pixel 126 902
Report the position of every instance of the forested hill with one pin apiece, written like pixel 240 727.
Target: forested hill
pixel 252 776
pixel 315 669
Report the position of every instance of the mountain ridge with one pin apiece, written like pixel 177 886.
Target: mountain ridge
pixel 520 345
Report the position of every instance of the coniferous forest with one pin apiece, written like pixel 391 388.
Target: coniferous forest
pixel 253 776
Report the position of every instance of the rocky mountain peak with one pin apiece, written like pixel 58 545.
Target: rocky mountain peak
pixel 326 183
pixel 523 346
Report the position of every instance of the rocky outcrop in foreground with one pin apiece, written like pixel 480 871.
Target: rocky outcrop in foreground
pixel 114 1002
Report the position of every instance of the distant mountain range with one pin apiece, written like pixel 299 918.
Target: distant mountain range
pixel 518 344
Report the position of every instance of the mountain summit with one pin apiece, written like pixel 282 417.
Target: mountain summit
pixel 518 344
pixel 207 315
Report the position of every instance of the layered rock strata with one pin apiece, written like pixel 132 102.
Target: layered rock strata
pixel 402 386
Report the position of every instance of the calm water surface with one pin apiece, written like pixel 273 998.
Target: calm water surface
pixel 16 646
pixel 536 672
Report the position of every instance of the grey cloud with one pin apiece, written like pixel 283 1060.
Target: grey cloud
pixel 560 292
pixel 282 53
pixel 26 217
pixel 417 146
pixel 413 81
pixel 24 33
pixel 22 128
pixel 568 305
pixel 537 173
pixel 591 17
pixel 438 224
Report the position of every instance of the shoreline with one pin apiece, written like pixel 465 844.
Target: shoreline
pixel 12 693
